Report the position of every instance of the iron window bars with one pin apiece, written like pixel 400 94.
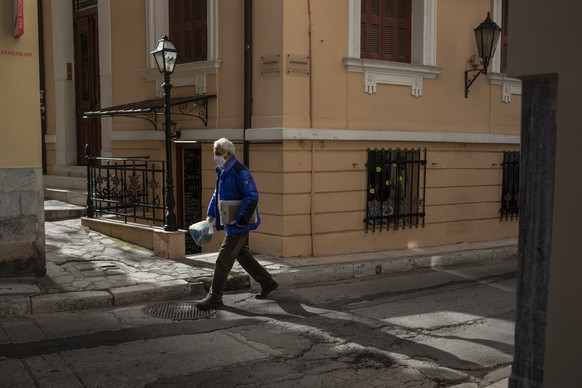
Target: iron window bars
pixel 396 189
pixel 510 186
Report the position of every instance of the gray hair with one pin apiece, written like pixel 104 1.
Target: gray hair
pixel 225 145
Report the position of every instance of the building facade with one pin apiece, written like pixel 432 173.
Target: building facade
pixel 22 241
pixel 351 114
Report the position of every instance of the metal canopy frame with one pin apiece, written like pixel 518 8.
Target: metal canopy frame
pixel 192 106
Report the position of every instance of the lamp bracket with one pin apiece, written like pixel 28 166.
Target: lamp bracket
pixel 468 82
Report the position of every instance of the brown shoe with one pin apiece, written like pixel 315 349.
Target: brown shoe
pixel 266 290
pixel 211 302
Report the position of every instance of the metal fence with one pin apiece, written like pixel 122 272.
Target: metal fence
pixel 396 189
pixel 130 189
pixel 510 186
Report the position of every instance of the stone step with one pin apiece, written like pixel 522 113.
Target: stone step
pixel 57 210
pixel 73 171
pixel 65 182
pixel 71 196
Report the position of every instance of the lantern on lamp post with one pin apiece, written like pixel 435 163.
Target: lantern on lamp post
pixel 165 56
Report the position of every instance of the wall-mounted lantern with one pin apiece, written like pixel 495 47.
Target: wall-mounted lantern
pixel 486 34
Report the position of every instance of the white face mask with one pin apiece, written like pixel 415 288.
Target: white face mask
pixel 220 161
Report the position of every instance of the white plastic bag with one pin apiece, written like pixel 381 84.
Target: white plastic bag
pixel 202 232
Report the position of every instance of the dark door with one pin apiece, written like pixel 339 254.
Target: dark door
pixel 189 190
pixel 87 82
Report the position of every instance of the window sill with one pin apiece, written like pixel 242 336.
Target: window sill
pixel 391 73
pixel 509 85
pixel 186 74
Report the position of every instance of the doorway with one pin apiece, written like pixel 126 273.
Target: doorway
pixel 87 86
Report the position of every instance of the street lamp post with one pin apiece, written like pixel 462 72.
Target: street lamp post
pixel 165 55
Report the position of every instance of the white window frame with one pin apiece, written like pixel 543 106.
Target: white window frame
pixel 508 85
pixel 423 55
pixel 185 74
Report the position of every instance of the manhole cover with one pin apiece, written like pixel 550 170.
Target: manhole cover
pixel 177 311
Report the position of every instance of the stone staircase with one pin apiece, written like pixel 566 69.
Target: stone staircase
pixel 65 192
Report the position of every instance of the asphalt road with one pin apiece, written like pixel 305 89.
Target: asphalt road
pixel 436 328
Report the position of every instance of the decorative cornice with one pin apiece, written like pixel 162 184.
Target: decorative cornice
pixel 392 73
pixel 279 134
pixel 185 74
pixel 509 85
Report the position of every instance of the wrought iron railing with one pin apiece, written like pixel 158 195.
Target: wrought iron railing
pixel 130 189
pixel 510 186
pixel 396 189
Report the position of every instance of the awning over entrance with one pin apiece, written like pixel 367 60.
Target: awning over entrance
pixel 193 106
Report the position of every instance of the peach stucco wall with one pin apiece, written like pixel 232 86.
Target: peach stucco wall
pixel 463 192
pixel 20 135
pixel 22 233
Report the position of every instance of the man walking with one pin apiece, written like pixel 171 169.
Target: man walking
pixel 234 182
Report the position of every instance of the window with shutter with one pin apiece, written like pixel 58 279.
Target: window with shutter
pixel 386 30
pixel 188 31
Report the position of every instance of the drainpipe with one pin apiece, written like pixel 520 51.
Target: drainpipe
pixel 248 76
pixel 312 193
pixel 42 85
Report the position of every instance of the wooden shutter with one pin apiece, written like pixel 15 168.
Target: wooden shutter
pixel 188 29
pixel 386 30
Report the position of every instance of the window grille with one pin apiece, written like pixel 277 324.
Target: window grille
pixel 396 189
pixel 510 187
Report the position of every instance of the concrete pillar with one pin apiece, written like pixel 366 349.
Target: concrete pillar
pixel 537 164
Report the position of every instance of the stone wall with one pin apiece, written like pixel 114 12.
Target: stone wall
pixel 22 236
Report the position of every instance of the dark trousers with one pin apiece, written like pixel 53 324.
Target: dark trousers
pixel 236 248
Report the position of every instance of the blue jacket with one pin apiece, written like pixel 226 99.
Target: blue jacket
pixel 235 182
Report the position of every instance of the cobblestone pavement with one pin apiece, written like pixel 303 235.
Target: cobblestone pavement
pixel 79 259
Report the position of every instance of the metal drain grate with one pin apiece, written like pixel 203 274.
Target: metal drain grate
pixel 177 311
pixel 98 268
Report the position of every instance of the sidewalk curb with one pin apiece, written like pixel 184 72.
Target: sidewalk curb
pixel 27 298
pixel 140 293
pixel 70 301
pixel 15 305
pixel 81 300
pixel 346 271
